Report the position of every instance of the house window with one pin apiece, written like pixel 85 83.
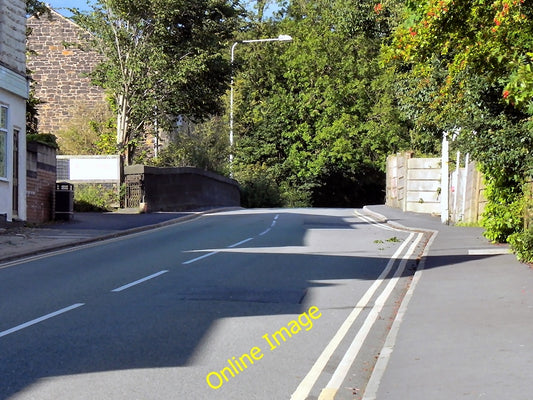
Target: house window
pixel 3 142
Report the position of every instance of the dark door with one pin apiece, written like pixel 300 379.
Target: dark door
pixel 16 135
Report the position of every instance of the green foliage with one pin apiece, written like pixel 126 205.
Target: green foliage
pixel 457 60
pixel 45 138
pixel 91 131
pixel 394 239
pixel 258 188
pixel 90 197
pixel 36 7
pixel 203 145
pixel 317 112
pixel 503 213
pixel 489 37
pixel 502 145
pixel 522 245
pixel 160 59
pixel 465 67
pixel 295 195
pixel 32 113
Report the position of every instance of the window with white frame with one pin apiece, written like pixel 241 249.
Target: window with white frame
pixel 3 142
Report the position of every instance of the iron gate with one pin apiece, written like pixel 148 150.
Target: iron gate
pixel 134 190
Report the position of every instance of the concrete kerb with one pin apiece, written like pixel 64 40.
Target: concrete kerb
pixel 383 219
pixel 378 217
pixel 429 234
pixel 114 235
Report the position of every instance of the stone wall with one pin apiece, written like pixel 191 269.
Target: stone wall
pixel 60 70
pixel 178 189
pixel 41 182
pixel 13 35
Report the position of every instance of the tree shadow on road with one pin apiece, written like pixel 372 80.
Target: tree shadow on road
pixel 164 327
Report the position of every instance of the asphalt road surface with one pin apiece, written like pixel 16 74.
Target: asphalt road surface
pixel 249 304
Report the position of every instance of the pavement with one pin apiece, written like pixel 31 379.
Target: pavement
pixel 465 328
pixel 82 228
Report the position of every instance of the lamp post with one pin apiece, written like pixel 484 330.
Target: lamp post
pixel 280 38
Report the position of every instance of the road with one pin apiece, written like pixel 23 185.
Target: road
pixel 248 304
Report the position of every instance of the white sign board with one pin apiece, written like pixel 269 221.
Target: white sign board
pixel 94 169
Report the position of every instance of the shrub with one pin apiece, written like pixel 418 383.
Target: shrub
pixel 295 195
pixel 522 245
pixel 45 138
pixel 258 188
pixel 90 130
pixel 97 198
pixel 203 145
pixel 503 213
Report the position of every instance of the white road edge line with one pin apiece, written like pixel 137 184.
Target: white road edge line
pixel 306 385
pixel 232 245
pixel 41 319
pixel 390 342
pixel 120 289
pixel 239 243
pixel 200 258
pixel 216 252
pixel 334 384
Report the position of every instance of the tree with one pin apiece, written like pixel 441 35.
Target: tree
pixel 306 110
pixel 161 59
pixel 204 146
pixel 466 66
pixel 91 131
pixel 491 38
pixel 36 7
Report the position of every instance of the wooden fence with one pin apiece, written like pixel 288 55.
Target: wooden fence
pixel 415 184
pixel 466 200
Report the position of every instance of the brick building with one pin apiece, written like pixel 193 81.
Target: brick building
pixel 60 70
pixel 13 95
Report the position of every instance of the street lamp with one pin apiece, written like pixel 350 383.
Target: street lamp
pixel 280 38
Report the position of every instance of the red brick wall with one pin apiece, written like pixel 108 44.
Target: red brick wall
pixel 40 182
pixel 60 70
pixel 39 208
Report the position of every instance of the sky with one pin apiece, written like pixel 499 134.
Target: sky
pixel 61 5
